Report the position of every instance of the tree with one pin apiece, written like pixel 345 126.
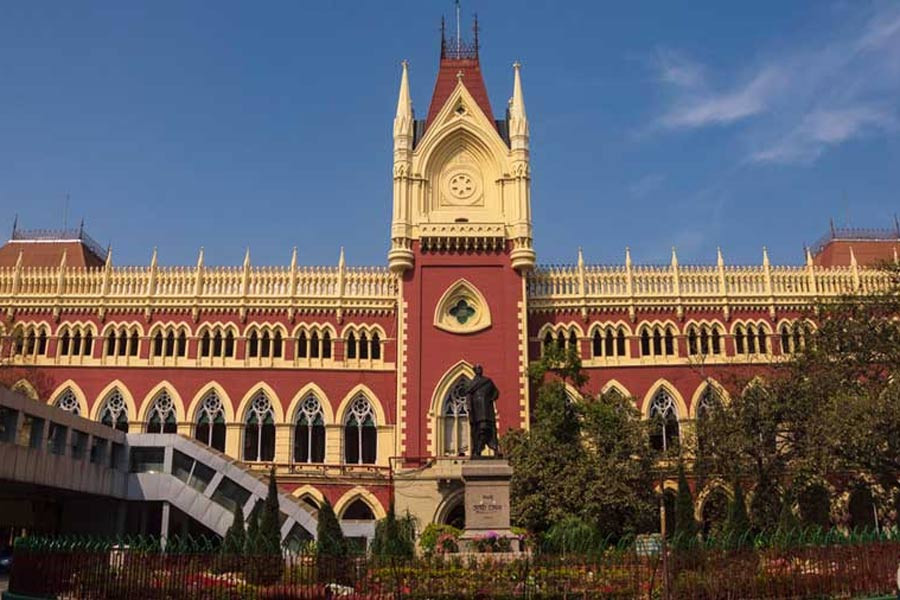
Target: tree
pixel 251 543
pixel 685 525
pixel 588 458
pixel 330 540
pixel 394 538
pixel 737 523
pixel 269 522
pixel 236 537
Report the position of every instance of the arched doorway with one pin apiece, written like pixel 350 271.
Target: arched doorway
pixel 714 512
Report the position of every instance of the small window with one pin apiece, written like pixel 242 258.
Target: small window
pixel 98 450
pixel 8 420
pixel 79 444
pixel 147 460
pixel 117 456
pixel 56 438
pixel 230 495
pixel 358 510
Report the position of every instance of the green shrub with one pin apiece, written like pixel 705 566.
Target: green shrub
pixel 395 538
pixel 572 536
pixel 431 534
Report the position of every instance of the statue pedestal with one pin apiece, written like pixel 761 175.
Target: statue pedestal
pixel 487 500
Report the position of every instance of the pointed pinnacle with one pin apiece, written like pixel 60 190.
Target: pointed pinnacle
pixel 720 261
pixel 765 257
pixel 852 256
pixel 627 256
pixel 809 258
pixel 674 257
pixel 341 261
pixel 294 258
pixel 247 258
pixel 200 258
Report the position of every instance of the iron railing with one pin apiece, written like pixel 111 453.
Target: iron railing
pixel 801 565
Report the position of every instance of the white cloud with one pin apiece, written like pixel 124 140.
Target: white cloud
pixel 822 129
pixel 720 108
pixel 806 99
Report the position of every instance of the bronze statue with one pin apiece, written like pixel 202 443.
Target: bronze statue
pixel 481 394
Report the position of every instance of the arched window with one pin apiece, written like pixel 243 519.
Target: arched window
pixel 363 345
pixel 670 342
pixel 664 429
pixel 182 344
pixel 210 426
pixel 68 402
pixel 657 342
pixel 573 341
pixel 620 342
pixel 548 340
pixel 265 344
pixel 360 433
pixel 217 344
pixel 716 341
pixel 111 343
pixel 376 346
pixel 259 430
pixel 301 345
pixel 314 345
pixel 704 339
pixel 785 339
pixel 309 432
pixel 65 343
pixel 739 339
pixel 358 510
pixel 561 340
pixel 709 400
pixel 645 343
pixel 135 344
pixel 170 343
pixel 326 345
pixel 229 344
pixel 751 339
pixel 597 344
pixel 161 418
pixel 253 345
pixel 42 343
pixel 114 413
pixel 205 346
pixel 692 340
pixel 763 340
pixel 455 416
pixel 351 345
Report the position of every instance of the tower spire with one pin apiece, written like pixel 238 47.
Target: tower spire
pixel 518 120
pixel 403 120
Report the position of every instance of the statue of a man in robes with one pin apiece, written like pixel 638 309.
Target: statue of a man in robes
pixel 481 394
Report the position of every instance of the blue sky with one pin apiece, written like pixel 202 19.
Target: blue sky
pixel 227 124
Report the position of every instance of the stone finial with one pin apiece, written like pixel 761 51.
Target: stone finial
pixel 153 258
pixel 580 257
pixel 809 257
pixel 294 258
pixel 200 258
pixel 720 261
pixel 247 258
pixel 765 257
pixel 674 258
pixel 627 257
pixel 341 261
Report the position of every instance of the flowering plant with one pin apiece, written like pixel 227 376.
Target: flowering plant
pixel 446 543
pixel 492 542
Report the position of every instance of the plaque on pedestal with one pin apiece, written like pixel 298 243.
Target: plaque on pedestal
pixel 487 499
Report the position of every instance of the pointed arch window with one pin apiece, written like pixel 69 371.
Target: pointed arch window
pixel 253 345
pixel 351 345
pixel 785 339
pixel 65 343
pixel 111 343
pixel 42 343
pixel 739 339
pixel 358 510
pixel 210 426
pixel 259 430
pixel 363 345
pixel 229 344
pixel 182 344
pixel 664 427
pixel 708 402
pixel 376 346
pixel 692 340
pixel 645 343
pixel 455 420
pixel 548 340
pixel 68 402
pixel 302 349
pixel 314 345
pixel 205 345
pixel 114 413
pixel 161 418
pixel 597 344
pixel 609 343
pixel 309 431
pixel 360 433
pixel 170 343
pixel 265 344
pixel 134 344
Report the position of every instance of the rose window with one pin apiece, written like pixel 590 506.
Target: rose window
pixel 461 185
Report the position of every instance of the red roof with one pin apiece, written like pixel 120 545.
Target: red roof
pixel 48 253
pixel 836 253
pixel 446 83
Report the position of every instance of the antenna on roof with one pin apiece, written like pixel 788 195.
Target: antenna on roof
pixel 16 223
pixel 458 39
pixel 81 229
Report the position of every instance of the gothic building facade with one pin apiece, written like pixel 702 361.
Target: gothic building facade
pixel 348 380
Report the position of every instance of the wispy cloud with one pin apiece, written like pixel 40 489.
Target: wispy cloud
pixel 792 108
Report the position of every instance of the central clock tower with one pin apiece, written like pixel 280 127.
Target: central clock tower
pixel 461 243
